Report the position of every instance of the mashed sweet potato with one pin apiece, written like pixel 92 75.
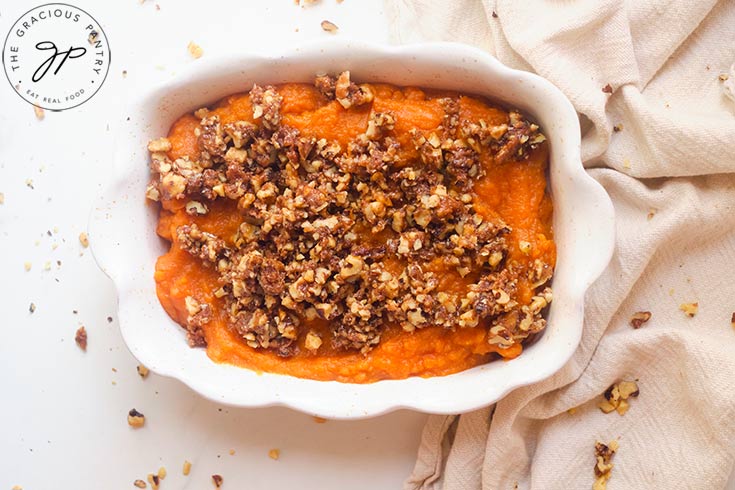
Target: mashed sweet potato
pixel 513 191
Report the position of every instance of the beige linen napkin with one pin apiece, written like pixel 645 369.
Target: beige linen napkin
pixel 671 174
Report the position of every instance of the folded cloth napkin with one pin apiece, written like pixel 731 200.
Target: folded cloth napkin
pixel 663 145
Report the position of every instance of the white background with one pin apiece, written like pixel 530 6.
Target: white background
pixel 63 412
pixel 62 420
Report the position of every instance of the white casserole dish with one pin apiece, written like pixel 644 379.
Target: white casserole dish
pixel 126 246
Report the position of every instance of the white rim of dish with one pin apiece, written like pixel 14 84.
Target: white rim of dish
pixel 352 401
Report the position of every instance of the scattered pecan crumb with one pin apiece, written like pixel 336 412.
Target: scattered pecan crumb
pixel 689 309
pixel 81 338
pixel 195 50
pixel 495 14
pixel 723 77
pixel 618 127
pixel 607 89
pixel 32 307
pixel 109 319
pixel 29 183
pixel 639 318
pixel 2 198
pixel 217 479
pixel 27 266
pixel 572 411
pixel 320 420
pixel 136 419
pixel 616 397
pixel 603 466
pixel 162 473
pixel 732 320
pixel 17 487
pixel 142 371
pixel 186 468
pixel 329 27
pixel 140 484
pixel 125 73
pixel 651 214
pixel 231 452
pixel 92 38
pixel 40 113
pixel 154 480
pixel 84 239
pixel 47 265
pixel 274 453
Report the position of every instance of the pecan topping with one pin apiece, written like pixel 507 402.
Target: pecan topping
pixel 297 255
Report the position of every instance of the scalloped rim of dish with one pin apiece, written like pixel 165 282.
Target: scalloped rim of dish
pixel 126 247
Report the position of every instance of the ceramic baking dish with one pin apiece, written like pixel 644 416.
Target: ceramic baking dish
pixel 126 246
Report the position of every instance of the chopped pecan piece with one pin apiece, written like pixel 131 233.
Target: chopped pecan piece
pixel 617 395
pixel 81 338
pixel 689 309
pixel 349 94
pixel 639 318
pixel 135 419
pixel 217 480
pixel 603 465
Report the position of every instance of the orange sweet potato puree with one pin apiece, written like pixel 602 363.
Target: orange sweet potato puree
pixel 515 192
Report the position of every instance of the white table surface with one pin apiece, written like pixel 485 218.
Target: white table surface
pixel 63 411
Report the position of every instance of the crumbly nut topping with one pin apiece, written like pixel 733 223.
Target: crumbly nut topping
pixel 639 318
pixel 274 453
pixel 603 463
pixel 136 419
pixel 689 309
pixel 186 468
pixel 140 484
pixel 297 255
pixel 80 337
pixel 39 112
pixel 617 395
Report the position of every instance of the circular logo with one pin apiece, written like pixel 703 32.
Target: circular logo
pixel 56 56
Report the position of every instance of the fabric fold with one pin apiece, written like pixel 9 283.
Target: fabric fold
pixel 661 146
